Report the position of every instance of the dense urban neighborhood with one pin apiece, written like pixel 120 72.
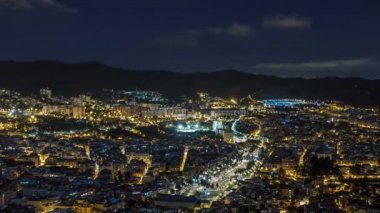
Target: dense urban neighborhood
pixel 138 151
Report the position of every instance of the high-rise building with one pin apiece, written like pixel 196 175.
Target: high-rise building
pixel 79 112
pixel 45 92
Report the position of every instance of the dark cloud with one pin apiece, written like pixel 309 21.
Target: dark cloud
pixel 235 29
pixel 317 64
pixel 190 38
pixel 37 4
pixel 357 67
pixel 287 21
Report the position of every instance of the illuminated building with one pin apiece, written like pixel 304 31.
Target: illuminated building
pixel 42 159
pixel 123 111
pixel 218 113
pixel 283 102
pixel 228 136
pixel 45 93
pixel 78 112
pixel 64 110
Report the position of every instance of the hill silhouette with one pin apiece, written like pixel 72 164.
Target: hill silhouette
pixel 75 78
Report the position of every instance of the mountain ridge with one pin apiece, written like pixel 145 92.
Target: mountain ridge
pixel 75 78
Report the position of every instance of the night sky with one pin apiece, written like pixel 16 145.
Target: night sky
pixel 285 38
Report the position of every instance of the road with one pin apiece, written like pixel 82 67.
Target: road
pixel 220 179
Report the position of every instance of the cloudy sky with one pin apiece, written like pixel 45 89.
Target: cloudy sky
pixel 272 37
